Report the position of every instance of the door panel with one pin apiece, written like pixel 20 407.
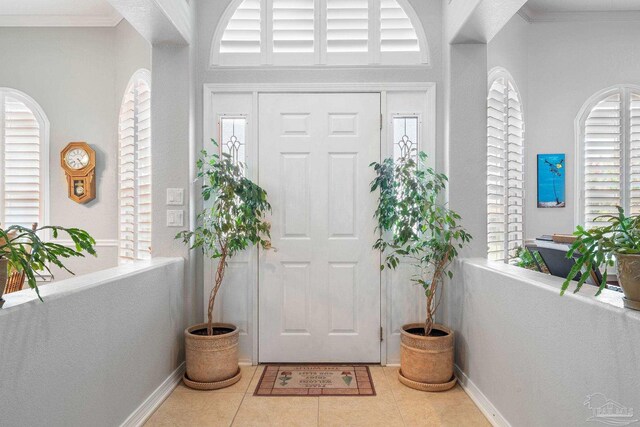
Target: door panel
pixel 319 288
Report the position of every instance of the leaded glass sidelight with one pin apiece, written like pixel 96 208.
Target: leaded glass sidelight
pixel 405 136
pixel 233 137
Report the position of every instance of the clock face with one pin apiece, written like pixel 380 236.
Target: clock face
pixel 77 158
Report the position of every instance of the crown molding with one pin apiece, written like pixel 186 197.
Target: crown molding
pixel 60 20
pixel 532 16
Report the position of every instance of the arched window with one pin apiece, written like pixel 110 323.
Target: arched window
pixel 134 134
pixel 24 157
pixel 608 140
pixel 505 167
pixel 319 32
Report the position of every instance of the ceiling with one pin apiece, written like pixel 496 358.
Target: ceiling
pixel 546 6
pixel 57 13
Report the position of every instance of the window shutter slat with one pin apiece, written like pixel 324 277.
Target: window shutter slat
pixel 242 34
pixel 347 26
pixel 135 173
pixel 505 171
pixel 602 159
pixel 21 175
pixel 396 30
pixel 293 26
pixel 634 153
pixel 143 123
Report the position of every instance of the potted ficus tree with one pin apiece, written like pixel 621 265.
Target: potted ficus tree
pixel 418 229
pixel 596 248
pixel 23 251
pixel 232 222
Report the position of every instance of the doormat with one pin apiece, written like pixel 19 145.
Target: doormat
pixel 315 380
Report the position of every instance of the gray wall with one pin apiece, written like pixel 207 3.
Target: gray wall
pixel 95 349
pixel 569 62
pixel 537 356
pixel 558 66
pixel 78 77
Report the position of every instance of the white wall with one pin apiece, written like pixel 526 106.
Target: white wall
pixel 78 76
pixel 96 348
pixel 536 356
pixel 568 63
pixel 509 49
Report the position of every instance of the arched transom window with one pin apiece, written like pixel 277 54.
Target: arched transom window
pixel 319 32
pixel 134 134
pixel 24 158
pixel 609 154
pixel 505 167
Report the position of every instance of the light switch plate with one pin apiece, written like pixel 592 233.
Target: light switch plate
pixel 175 196
pixel 175 218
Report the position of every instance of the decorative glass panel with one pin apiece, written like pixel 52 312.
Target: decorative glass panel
pixel 232 138
pixel 405 136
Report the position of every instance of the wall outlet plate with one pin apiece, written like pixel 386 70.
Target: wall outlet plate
pixel 175 196
pixel 175 218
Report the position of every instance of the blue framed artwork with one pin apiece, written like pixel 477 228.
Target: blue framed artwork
pixel 551 178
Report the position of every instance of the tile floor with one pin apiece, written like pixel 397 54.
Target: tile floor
pixel 394 405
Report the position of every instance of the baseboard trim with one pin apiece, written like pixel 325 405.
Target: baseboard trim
pixel 486 407
pixel 148 407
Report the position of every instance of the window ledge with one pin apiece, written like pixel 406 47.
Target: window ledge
pixel 75 284
pixel 548 283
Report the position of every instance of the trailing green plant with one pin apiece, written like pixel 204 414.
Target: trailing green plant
pixel 233 220
pixel 595 248
pixel 415 226
pixel 530 260
pixel 26 252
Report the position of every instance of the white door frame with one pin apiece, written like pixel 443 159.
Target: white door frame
pixel 427 143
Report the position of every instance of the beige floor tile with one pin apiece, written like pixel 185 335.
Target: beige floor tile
pixel 381 382
pixel 243 385
pixel 394 405
pixel 254 381
pixel 359 411
pixel 277 411
pixel 450 408
pixel 187 407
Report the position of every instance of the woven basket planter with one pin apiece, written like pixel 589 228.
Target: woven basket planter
pixel 212 361
pixel 427 362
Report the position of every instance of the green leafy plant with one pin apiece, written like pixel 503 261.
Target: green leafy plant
pixel 415 226
pixel 528 259
pixel 234 219
pixel 26 252
pixel 596 247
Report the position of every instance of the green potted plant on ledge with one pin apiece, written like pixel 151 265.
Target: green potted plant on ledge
pixel 596 248
pixel 23 252
pixel 418 229
pixel 233 222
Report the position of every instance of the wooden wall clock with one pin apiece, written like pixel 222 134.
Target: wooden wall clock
pixel 79 164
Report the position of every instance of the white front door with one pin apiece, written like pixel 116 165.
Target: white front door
pixel 319 287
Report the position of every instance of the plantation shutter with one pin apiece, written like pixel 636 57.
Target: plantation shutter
pixel 293 26
pixel 347 26
pixel 603 164
pixel 515 171
pixel 496 170
pixel 135 172
pixel 242 34
pixel 505 171
pixel 22 198
pixel 396 30
pixel 127 162
pixel 318 32
pixel 143 163
pixel 634 152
